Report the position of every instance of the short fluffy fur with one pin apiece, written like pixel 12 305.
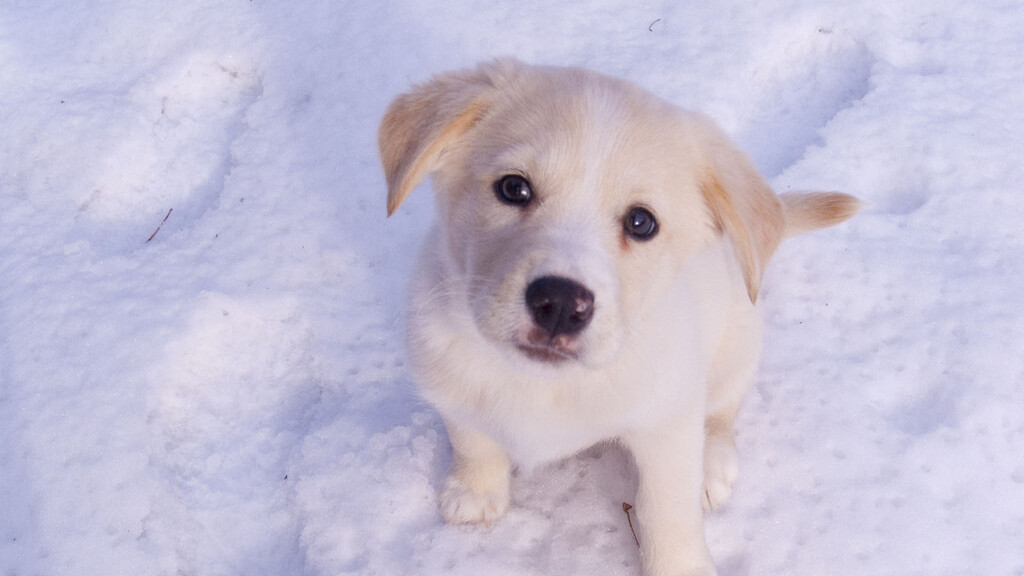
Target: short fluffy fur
pixel 671 333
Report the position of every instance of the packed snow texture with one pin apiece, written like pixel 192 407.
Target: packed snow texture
pixel 201 356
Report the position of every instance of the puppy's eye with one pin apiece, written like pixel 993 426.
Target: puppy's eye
pixel 640 224
pixel 513 189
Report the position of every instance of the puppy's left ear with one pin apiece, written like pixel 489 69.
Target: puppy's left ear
pixel 420 124
pixel 742 206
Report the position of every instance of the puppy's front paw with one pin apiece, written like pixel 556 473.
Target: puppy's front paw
pixel 721 466
pixel 697 563
pixel 707 570
pixel 461 504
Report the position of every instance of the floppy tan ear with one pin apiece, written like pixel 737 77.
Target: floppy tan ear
pixel 744 207
pixel 420 124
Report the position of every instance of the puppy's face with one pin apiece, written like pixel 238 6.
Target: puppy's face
pixel 569 202
pixel 568 210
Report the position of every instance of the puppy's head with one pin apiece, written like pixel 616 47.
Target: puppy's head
pixel 570 201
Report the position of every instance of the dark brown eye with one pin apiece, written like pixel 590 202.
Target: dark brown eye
pixel 640 224
pixel 513 189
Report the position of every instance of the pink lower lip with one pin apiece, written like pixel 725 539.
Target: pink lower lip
pixel 546 353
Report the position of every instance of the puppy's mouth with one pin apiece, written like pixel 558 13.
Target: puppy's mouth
pixel 553 350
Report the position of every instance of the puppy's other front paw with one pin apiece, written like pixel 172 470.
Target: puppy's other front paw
pixel 697 564
pixel 708 570
pixel 461 504
pixel 721 466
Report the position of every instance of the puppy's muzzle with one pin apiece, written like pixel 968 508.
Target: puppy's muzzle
pixel 561 309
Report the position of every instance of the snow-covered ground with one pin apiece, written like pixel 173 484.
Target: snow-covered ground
pixel 229 395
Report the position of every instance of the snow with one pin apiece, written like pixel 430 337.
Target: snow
pixel 231 396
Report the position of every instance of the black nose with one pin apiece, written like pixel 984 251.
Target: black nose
pixel 559 305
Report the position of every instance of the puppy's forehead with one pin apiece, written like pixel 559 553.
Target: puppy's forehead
pixel 558 127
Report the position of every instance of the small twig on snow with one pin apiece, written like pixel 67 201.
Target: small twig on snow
pixel 151 236
pixel 626 508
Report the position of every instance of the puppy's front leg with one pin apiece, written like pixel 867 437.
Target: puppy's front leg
pixel 478 488
pixel 668 507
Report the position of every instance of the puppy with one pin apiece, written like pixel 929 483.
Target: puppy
pixel 593 276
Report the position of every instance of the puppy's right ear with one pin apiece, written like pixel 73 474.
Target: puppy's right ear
pixel 420 124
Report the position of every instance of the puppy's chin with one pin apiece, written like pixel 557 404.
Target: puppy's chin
pixel 534 351
pixel 541 360
pixel 539 347
pixel 547 354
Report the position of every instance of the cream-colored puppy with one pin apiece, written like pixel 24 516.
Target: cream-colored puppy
pixel 593 276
